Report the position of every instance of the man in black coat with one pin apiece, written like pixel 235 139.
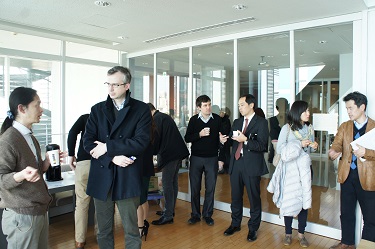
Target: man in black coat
pixel 171 149
pixel 247 165
pixel 117 133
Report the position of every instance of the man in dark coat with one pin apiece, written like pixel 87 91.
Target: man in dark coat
pixel 171 149
pixel 117 133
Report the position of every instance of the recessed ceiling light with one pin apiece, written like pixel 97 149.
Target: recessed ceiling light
pixel 322 42
pixel 229 53
pixel 102 3
pixel 122 37
pixel 115 43
pixel 284 54
pixel 239 7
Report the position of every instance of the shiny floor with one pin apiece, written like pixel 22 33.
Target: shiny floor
pixel 325 190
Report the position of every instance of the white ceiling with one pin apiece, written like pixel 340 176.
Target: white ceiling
pixel 141 20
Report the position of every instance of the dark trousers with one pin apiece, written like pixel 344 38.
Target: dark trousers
pixel 170 186
pixel 302 221
pixel 198 166
pixel 351 192
pixel 105 218
pixel 238 180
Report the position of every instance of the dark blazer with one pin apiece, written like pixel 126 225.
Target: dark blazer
pixel 169 145
pixel 274 128
pixel 128 135
pixel 253 151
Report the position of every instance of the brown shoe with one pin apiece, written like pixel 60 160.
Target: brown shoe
pixel 342 246
pixel 287 240
pixel 80 245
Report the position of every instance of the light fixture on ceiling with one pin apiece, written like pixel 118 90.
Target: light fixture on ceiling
pixel 322 42
pixel 102 3
pixel 122 37
pixel 262 62
pixel 239 7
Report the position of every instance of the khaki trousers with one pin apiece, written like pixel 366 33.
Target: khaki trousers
pixel 82 200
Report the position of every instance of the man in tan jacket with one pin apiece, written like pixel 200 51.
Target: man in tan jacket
pixel 356 172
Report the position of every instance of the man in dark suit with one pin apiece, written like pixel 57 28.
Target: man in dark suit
pixel 117 133
pixel 247 165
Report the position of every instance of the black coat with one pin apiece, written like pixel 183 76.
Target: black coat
pixel 169 145
pixel 253 151
pixel 128 135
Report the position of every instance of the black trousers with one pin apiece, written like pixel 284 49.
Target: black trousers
pixel 209 166
pixel 238 180
pixel 302 222
pixel 351 192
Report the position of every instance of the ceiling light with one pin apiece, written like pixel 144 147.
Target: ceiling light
pixel 284 54
pixel 122 37
pixel 115 43
pixel 102 3
pixel 229 53
pixel 262 62
pixel 201 29
pixel 239 7
pixel 322 42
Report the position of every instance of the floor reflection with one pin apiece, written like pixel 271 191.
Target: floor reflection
pixel 326 196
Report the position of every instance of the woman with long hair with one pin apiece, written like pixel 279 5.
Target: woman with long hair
pixel 293 173
pixel 24 194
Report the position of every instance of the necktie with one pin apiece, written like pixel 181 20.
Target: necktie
pixel 353 165
pixel 240 145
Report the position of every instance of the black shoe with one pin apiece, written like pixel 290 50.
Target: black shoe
pixel 194 220
pixel 162 221
pixel 221 171
pixel 252 235
pixel 161 213
pixel 209 221
pixel 231 230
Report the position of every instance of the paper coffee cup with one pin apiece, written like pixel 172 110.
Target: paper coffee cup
pixel 235 133
pixel 54 157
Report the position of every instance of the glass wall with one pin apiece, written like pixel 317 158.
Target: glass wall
pixel 172 95
pixel 142 70
pixel 264 71
pixel 213 72
pixel 324 58
pixel 4 106
pixel 43 76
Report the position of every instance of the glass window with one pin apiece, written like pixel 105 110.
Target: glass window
pixel 142 70
pixel 213 72
pixel 14 40
pixel 4 106
pixel 324 58
pixel 172 84
pixel 91 53
pixel 44 77
pixel 264 71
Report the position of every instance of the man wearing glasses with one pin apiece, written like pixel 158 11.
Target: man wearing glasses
pixel 117 133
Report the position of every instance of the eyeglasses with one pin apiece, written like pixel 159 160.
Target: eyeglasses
pixel 114 85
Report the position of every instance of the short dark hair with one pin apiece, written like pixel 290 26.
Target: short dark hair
pixel 125 71
pixel 358 98
pixel 249 98
pixel 294 114
pixel 20 96
pixel 202 99
pixel 151 106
